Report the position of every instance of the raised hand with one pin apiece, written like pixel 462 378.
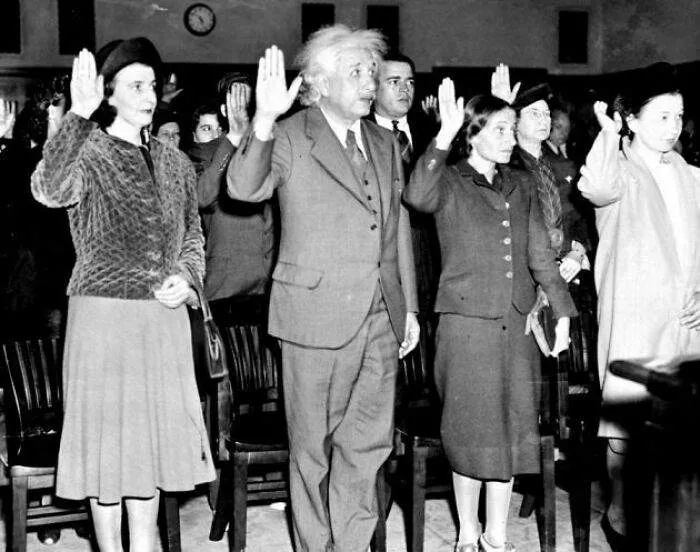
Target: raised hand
pixel 429 105
pixel 451 113
pixel 271 94
pixel 237 100
pixel 86 86
pixel 606 123
pixel 500 84
pixel 8 114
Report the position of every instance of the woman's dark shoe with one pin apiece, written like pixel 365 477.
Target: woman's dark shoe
pixel 617 541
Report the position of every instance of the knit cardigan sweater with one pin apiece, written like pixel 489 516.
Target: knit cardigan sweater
pixel 131 228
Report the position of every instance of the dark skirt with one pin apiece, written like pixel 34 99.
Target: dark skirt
pixel 133 421
pixel 488 373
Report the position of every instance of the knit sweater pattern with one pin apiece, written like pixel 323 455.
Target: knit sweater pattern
pixel 131 230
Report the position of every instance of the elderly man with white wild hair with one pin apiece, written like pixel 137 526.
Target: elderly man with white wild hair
pixel 343 296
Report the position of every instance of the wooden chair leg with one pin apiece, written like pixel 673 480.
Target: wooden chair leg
pixel 580 496
pixel 237 525
pixel 416 531
pixel 378 543
pixel 213 490
pixel 170 515
pixel 224 503
pixel 547 512
pixel 18 536
pixel 528 505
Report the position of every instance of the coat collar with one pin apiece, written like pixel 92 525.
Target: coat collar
pixel 329 153
pixel 503 173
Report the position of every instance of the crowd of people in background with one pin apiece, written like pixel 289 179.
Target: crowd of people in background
pixel 489 187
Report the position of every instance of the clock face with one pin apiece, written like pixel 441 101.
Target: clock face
pixel 199 19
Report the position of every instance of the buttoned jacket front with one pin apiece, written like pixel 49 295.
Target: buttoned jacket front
pixel 333 248
pixel 493 242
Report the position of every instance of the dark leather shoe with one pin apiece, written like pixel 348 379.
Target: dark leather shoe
pixel 617 541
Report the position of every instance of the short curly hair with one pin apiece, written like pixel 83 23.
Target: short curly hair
pixel 320 54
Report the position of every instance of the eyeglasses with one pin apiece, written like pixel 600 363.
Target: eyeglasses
pixel 538 114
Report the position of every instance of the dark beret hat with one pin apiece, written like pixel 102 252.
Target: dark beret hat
pixel 116 55
pixel 648 83
pixel 532 95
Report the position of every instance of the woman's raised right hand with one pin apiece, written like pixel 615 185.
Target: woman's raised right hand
pixel 86 86
pixel 451 114
pixel 606 123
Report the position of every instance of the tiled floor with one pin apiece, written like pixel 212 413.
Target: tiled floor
pixel 268 531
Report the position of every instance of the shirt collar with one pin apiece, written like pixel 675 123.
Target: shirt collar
pixel 341 131
pixel 653 159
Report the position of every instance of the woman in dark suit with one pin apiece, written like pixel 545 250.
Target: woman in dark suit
pixel 495 249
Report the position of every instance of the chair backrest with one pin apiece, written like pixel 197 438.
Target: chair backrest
pixel 254 357
pixel 416 380
pixel 30 372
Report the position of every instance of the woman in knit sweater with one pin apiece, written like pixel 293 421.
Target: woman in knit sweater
pixel 494 248
pixel 133 425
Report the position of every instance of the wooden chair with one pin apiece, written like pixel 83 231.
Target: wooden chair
pixel 418 467
pixel 569 421
pixel 30 372
pixel 257 438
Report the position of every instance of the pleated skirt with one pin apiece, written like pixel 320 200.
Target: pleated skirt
pixel 488 374
pixel 133 421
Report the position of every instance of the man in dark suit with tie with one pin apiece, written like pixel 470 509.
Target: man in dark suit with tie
pixel 414 131
pixel 343 297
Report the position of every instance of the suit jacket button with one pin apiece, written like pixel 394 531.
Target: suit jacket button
pixel 373 227
pixel 506 223
pixel 509 275
pixel 506 241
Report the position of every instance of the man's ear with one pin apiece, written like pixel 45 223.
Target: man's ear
pixel 222 109
pixel 632 123
pixel 324 86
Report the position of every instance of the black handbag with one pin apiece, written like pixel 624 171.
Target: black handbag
pixel 207 346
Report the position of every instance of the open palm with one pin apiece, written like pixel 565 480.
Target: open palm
pixel 86 87
pixel 271 93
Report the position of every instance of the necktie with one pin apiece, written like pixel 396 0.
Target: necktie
pixel 404 143
pixel 359 162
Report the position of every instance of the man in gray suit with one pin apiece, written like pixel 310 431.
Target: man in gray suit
pixel 343 296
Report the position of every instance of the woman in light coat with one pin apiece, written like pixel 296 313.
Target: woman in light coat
pixel 647 267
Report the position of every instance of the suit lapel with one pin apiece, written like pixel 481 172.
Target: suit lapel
pixel 379 150
pixel 329 153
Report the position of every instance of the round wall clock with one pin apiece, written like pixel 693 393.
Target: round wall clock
pixel 199 19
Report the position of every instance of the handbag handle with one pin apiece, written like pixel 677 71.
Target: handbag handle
pixel 213 343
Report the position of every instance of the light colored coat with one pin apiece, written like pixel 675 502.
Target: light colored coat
pixel 641 282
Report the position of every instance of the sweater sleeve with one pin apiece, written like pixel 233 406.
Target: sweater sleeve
pixel 542 262
pixel 58 180
pixel 191 260
pixel 425 190
pixel 600 177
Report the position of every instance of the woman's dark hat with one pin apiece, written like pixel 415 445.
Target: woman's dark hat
pixel 532 95
pixel 116 55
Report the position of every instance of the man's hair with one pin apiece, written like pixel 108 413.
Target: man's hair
pixel 209 108
pixel 318 57
pixel 400 58
pixel 227 81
